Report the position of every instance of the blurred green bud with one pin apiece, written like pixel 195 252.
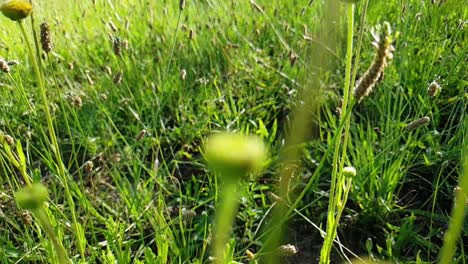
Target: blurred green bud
pixel 349 172
pixel 32 197
pixel 235 155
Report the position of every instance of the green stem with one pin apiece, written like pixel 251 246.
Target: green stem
pixel 225 216
pixel 337 175
pixel 458 213
pixel 48 228
pixel 53 138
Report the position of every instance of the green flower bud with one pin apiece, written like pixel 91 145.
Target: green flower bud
pixel 349 172
pixel 16 9
pixel 235 155
pixel 32 197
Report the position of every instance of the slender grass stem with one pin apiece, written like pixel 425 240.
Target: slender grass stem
pixel 53 137
pixel 336 201
pixel 458 213
pixel 43 218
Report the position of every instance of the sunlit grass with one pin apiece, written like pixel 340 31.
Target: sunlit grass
pixel 130 129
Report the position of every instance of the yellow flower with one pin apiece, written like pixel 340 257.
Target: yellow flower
pixel 16 9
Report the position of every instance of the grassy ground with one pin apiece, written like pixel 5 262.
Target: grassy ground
pixel 131 124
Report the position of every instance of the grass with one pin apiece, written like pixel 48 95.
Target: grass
pixel 132 150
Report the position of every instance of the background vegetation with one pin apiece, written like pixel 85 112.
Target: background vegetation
pixel 131 119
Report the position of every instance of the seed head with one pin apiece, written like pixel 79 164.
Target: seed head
pixel 4 67
pixel 181 5
pixel 183 74
pixel 286 250
pixel 141 135
pixel 9 140
pixel 77 102
pixel 117 46
pixel 32 197
pixel 46 41
pixel 16 10
pixel 433 89
pixel 118 78
pixel 417 123
pixel 188 215
pixel 89 166
pixel 383 44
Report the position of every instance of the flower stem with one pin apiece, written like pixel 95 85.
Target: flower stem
pixel 225 215
pixel 53 137
pixel 336 191
pixel 46 225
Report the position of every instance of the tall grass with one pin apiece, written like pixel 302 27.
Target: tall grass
pixel 123 162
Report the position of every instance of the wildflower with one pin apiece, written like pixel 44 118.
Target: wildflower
pixel 383 44
pixel 32 197
pixel 417 123
pixel 235 154
pixel 16 10
pixel 46 41
pixel 286 250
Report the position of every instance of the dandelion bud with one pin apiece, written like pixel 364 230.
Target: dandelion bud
pixel 349 172
pixel 433 89
pixel 383 44
pixel 4 67
pixel 46 41
pixel 286 250
pixel 16 10
pixel 235 155
pixel 32 197
pixel 417 123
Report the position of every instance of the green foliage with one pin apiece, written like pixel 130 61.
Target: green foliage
pixel 131 146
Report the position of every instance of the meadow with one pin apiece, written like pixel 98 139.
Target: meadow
pixel 249 131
